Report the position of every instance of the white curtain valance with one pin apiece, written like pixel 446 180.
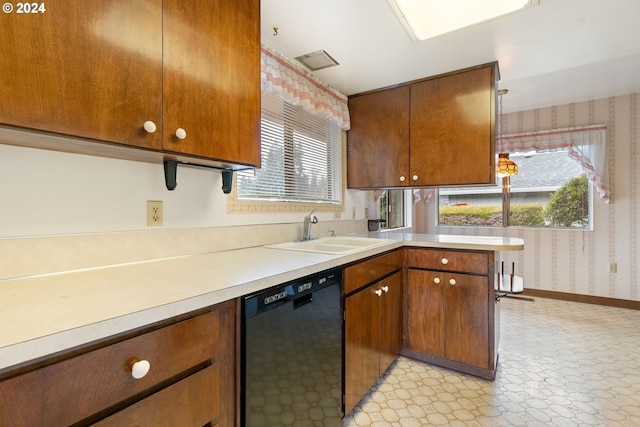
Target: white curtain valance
pixel 586 145
pixel 298 87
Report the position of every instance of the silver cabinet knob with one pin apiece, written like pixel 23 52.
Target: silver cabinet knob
pixel 378 292
pixel 444 261
pixel 402 179
pixel 436 280
pixel 414 177
pixel 452 282
pixel 385 289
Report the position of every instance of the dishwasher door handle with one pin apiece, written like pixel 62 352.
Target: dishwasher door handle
pixel 305 299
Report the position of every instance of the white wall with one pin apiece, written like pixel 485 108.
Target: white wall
pixel 50 193
pixel 577 261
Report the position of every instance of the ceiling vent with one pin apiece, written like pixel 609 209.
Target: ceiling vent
pixel 317 60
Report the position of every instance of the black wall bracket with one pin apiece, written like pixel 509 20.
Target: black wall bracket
pixel 227 180
pixel 171 173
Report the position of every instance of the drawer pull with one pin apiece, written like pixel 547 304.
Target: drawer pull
pixel 385 289
pixel 452 282
pixel 181 133
pixel 436 280
pixel 444 261
pixel 378 292
pixel 149 126
pixel 414 177
pixel 140 369
pixel 402 179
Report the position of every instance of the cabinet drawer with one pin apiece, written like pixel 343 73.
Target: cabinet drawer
pixel 71 390
pixel 360 274
pixel 438 259
pixel 182 404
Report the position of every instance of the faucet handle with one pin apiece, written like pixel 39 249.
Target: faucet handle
pixel 333 233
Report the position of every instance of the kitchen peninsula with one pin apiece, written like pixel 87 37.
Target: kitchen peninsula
pixel 49 317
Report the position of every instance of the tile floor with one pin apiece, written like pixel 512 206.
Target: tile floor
pixel 561 364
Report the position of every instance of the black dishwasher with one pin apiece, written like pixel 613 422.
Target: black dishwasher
pixel 292 353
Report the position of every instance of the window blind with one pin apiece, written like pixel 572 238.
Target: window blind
pixel 301 157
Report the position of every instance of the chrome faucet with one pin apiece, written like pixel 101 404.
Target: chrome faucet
pixel 308 220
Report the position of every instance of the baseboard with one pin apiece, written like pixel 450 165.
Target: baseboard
pixel 588 299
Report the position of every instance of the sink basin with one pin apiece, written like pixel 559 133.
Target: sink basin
pixel 338 245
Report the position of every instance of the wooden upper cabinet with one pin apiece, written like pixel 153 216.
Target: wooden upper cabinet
pixel 452 129
pixel 431 132
pixel 88 69
pixel 211 79
pixel 100 69
pixel 378 141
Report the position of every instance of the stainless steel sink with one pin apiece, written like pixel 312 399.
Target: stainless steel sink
pixel 338 245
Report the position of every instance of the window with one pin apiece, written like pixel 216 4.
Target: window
pixel 301 157
pixel 392 212
pixel 550 190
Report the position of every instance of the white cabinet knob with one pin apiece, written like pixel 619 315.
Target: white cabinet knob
pixel 436 280
pixel 385 289
pixel 149 126
pixel 181 133
pixel 452 282
pixel 378 292
pixel 444 261
pixel 402 179
pixel 414 177
pixel 140 369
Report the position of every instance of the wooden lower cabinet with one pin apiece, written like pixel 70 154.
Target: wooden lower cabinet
pixel 373 335
pixel 446 320
pixel 450 314
pixel 191 381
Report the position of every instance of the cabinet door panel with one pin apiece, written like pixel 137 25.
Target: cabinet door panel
pixel 467 330
pixel 426 321
pixel 183 404
pixel 438 259
pixel 365 272
pixel 378 141
pixel 361 345
pixel 88 69
pixel 452 129
pixel 212 79
pixel 390 320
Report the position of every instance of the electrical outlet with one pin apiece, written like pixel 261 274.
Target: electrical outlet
pixel 154 213
pixel 613 267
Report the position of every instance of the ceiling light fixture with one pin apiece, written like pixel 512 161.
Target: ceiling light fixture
pixel 317 60
pixel 424 19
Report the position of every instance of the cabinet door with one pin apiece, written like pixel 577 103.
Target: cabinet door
pixel 452 129
pixel 378 141
pixel 89 69
pixel 467 330
pixel 192 402
pixel 212 79
pixel 426 315
pixel 361 344
pixel 390 320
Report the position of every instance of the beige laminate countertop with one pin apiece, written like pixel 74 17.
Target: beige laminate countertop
pixel 47 314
